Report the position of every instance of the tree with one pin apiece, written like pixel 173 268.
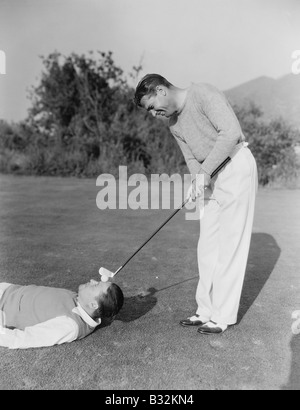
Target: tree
pixel 76 96
pixel 272 144
pixel 83 122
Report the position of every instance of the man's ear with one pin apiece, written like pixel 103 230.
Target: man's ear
pixel 94 305
pixel 161 90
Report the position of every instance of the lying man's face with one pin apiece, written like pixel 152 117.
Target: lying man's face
pixel 91 291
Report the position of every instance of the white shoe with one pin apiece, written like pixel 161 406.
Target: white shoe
pixel 212 328
pixel 196 320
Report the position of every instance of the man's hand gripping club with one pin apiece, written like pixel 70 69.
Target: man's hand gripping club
pixel 198 187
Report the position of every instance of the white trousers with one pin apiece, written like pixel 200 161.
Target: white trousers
pixel 225 234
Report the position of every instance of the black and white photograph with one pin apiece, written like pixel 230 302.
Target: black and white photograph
pixel 150 197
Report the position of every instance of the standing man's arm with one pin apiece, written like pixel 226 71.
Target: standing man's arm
pixel 53 332
pixel 192 163
pixel 195 169
pixel 217 109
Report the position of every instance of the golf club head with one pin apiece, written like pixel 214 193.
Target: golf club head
pixel 105 274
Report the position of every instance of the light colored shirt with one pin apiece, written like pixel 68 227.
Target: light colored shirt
pixel 207 129
pixel 56 331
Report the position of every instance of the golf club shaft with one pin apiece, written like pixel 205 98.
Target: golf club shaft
pixel 154 233
pixel 170 217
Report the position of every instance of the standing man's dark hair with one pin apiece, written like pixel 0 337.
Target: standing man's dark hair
pixel 147 86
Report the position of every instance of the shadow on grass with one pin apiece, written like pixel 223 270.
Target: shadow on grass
pixel 139 305
pixel 263 256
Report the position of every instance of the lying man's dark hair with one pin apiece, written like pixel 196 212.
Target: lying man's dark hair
pixel 111 303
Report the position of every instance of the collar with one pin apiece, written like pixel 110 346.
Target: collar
pixel 86 317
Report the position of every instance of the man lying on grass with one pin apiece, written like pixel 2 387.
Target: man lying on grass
pixel 39 316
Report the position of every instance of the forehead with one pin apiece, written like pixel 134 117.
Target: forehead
pixel 101 287
pixel 105 286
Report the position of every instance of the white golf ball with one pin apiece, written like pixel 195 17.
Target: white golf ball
pixel 296 315
pixel 104 278
pixel 296 327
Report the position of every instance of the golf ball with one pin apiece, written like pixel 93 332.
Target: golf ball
pixel 104 278
pixel 296 315
pixel 296 327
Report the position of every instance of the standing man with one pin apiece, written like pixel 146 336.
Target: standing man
pixel 208 131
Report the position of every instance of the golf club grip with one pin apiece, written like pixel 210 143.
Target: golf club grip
pixel 220 167
pixel 171 216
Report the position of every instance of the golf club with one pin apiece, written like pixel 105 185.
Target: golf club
pixel 106 274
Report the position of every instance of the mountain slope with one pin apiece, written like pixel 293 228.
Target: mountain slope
pixel 276 98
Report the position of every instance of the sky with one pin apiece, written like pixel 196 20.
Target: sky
pixel 222 42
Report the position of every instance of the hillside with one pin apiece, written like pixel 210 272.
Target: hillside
pixel 276 97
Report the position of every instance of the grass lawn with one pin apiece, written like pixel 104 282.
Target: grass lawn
pixel 53 234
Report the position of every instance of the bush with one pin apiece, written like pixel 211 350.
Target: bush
pixel 273 146
pixel 83 123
